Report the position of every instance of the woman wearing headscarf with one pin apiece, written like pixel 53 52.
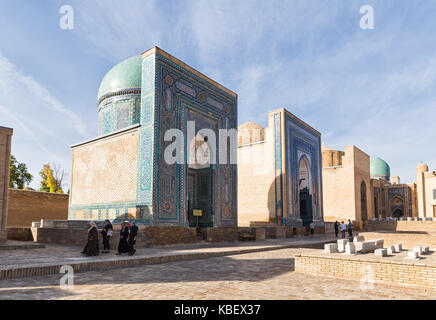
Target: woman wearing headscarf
pixel 123 246
pixel 107 234
pixel 91 248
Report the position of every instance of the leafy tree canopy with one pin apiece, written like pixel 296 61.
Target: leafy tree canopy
pixel 19 175
pixel 51 179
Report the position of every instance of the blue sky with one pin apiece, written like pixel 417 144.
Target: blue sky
pixel 375 89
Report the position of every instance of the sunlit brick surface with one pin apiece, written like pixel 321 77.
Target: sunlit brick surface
pixel 105 171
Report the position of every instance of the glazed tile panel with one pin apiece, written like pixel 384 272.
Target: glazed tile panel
pixel 180 97
pixel 302 142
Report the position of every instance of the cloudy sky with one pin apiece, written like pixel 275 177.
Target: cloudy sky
pixel 375 89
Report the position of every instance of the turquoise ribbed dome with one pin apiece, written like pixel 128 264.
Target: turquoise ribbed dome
pixel 125 75
pixel 380 169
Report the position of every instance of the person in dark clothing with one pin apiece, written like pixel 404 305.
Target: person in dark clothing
pixel 350 228
pixel 336 228
pixel 123 247
pixel 132 238
pixel 91 248
pixel 107 234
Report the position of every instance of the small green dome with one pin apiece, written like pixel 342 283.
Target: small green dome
pixel 125 75
pixel 380 169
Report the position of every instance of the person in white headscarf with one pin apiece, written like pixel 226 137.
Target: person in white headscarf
pixel 91 248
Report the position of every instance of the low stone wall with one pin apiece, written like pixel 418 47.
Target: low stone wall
pixel 147 236
pixel 392 272
pixel 25 207
pixel 163 235
pixel 408 239
pixel 427 226
pixel 222 234
pixel 19 234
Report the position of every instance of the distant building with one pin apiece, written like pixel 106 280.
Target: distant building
pixel 426 191
pixel 279 172
pixel 358 188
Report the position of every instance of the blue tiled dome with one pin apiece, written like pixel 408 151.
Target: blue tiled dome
pixel 125 75
pixel 380 169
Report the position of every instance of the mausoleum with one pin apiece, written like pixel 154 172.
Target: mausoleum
pixel 279 172
pixel 124 173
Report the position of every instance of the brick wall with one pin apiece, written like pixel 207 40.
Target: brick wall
pixel 423 226
pixel 222 234
pixel 147 236
pixel 393 273
pixel 19 234
pixel 407 239
pixel 25 207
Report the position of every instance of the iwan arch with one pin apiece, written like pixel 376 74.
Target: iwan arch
pixel 279 172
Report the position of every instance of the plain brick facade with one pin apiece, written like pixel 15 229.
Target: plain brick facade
pixel 26 207
pixel 5 156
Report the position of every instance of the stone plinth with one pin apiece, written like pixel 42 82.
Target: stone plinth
pixel 5 159
pixel 358 239
pixel 341 244
pixel 331 247
pixel 398 247
pixel 350 248
pixel 381 252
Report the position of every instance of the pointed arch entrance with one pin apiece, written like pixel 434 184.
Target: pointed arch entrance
pixel 305 192
pixel 200 182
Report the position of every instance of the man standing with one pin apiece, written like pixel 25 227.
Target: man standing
pixel 336 228
pixel 350 228
pixel 132 238
pixel 343 228
pixel 312 228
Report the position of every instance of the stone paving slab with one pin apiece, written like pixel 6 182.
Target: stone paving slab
pixel 24 263
pixel 258 275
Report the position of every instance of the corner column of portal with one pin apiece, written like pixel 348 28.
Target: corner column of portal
pixel 5 158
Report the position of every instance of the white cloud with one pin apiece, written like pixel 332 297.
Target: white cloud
pixel 43 126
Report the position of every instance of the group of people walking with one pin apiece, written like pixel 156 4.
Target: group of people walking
pixel 343 228
pixel 128 234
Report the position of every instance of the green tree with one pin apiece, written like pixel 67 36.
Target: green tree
pixel 19 175
pixel 51 179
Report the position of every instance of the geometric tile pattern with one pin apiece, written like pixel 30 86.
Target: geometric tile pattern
pixel 300 141
pixel 169 96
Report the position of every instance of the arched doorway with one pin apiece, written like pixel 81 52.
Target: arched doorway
pixel 363 201
pixel 304 192
pixel 398 213
pixel 200 182
pixel 397 207
pixel 376 208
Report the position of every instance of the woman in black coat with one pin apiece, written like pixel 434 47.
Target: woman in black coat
pixel 123 246
pixel 107 234
pixel 91 248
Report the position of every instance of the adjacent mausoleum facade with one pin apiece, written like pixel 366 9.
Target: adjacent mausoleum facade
pixel 122 174
pixel 426 191
pixel 359 188
pixel 279 172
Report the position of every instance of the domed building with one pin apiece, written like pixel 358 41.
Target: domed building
pixel 379 169
pixel 149 104
pixel 119 96
pixel 358 187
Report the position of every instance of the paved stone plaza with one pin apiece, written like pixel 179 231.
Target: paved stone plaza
pixel 258 275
